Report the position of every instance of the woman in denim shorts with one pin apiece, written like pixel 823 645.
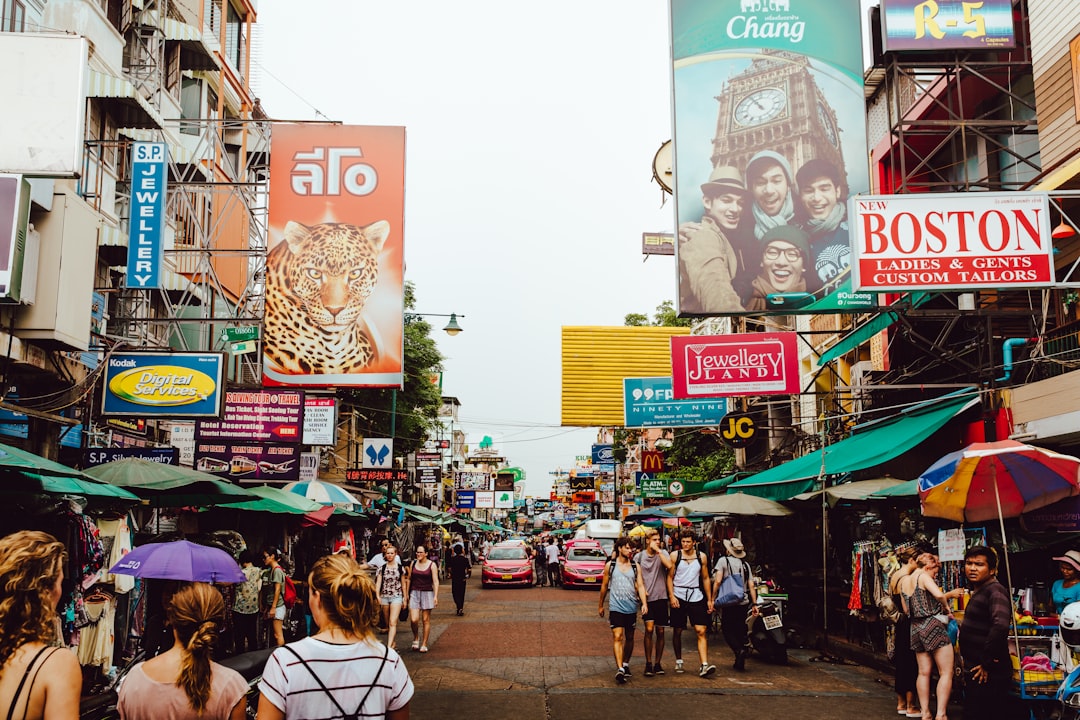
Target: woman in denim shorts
pixel 392 587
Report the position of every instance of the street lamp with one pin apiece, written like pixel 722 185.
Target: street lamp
pixel 452 328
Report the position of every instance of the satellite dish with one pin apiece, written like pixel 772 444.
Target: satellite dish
pixel 662 167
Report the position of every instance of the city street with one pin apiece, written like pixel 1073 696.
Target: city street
pixel 543 654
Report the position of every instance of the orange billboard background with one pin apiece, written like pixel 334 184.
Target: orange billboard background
pixel 335 174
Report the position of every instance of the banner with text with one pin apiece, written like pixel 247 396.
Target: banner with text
pixel 650 402
pixel 947 25
pixel 736 364
pixel 248 462
pixel 266 416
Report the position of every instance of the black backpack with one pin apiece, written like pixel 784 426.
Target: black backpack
pixel 701 558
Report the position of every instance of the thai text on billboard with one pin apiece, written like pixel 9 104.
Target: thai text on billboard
pixel 737 364
pixel 334 268
pixel 770 139
pixel 952 241
pixel 146 229
pixel 261 416
pixel 947 25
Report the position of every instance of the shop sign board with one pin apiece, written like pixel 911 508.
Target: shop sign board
pixel 650 402
pixel 254 462
pixel 947 25
pixel 163 385
pixel 735 364
pixel 271 415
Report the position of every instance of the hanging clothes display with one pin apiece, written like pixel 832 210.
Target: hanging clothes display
pixel 96 639
pixel 116 535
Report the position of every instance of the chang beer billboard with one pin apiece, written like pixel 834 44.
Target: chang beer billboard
pixel 162 385
pixel 769 142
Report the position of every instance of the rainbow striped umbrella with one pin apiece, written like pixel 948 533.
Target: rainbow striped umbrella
pixel 996 480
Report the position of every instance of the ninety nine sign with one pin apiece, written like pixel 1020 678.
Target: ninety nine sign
pixel 725 365
pixel 951 241
pixel 147 226
pixel 363 475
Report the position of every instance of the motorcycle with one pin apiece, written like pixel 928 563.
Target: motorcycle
pixel 102 706
pixel 766 633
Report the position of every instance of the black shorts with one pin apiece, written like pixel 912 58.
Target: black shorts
pixel 696 612
pixel 658 613
pixel 622 620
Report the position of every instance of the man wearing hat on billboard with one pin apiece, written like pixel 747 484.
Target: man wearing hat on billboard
pixel 733 616
pixel 1067 589
pixel 709 254
pixel 784 259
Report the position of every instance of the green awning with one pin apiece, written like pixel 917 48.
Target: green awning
pixel 864 332
pixel 276 500
pixel 876 443
pixel 715 486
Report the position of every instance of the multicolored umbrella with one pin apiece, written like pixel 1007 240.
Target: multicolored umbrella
pixel 180 560
pixel 322 492
pixel 997 480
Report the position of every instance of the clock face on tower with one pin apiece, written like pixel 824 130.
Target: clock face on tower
pixel 827 123
pixel 760 106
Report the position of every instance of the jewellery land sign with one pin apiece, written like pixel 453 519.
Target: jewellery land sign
pixel 650 402
pixel 734 365
pixel 769 132
pixel 146 231
pixel 162 385
pixel 248 462
pixel 952 241
pixel 262 416
pixel 947 25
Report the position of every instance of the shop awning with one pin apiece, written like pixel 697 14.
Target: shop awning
pixel 864 332
pixel 715 486
pixel 130 108
pixel 876 443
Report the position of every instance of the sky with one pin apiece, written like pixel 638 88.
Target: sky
pixel 530 134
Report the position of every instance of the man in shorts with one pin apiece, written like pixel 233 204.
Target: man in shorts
pixel 624 589
pixel 654 564
pixel 690 595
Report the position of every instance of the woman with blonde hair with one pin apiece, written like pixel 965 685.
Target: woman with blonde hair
pixel 343 670
pixel 31 573
pixel 184 682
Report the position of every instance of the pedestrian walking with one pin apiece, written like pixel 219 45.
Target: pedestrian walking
pixel 423 597
pixel 690 594
pixel 183 683
pixel 245 609
pixel 273 582
pixel 551 555
pixel 733 615
pixel 343 670
pixel 654 564
pixel 31 574
pixel 459 573
pixel 624 589
pixel 392 588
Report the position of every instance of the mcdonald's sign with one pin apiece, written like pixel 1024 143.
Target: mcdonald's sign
pixel 652 461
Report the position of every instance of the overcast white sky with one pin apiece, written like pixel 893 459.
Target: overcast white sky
pixel 531 129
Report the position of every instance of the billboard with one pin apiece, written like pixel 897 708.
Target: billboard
pixel 320 420
pixel 736 364
pixel 947 25
pixel 248 462
pixel 650 402
pixel 259 416
pixel 334 268
pixel 100 456
pixel 162 385
pixel 770 139
pixel 952 241
pixel 146 229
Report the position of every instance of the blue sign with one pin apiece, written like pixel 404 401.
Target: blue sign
pixel 146 228
pixel 17 425
pixel 163 385
pixel 650 402
pixel 466 499
pixel 100 456
pixel 603 454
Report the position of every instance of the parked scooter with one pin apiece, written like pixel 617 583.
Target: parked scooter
pixel 766 632
pixel 102 706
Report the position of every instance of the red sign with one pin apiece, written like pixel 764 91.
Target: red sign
pixel 727 365
pixel 584 497
pixel 376 476
pixel 652 461
pixel 952 241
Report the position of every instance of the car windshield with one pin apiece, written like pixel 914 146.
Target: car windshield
pixel 591 553
pixel 507 553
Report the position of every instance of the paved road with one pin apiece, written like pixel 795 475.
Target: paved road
pixel 543 654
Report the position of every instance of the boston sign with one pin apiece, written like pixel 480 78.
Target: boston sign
pixel 727 365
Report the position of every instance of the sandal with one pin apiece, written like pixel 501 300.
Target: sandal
pixel 416 645
pixel 423 648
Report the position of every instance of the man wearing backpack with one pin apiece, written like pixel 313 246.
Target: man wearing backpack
pixel 733 613
pixel 690 595
pixel 625 590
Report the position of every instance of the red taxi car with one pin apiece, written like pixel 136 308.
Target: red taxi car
pixel 507 564
pixel 583 565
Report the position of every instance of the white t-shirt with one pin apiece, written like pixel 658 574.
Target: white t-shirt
pixel 551 552
pixel 687 580
pixel 346 670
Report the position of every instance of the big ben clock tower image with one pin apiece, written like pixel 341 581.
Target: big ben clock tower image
pixel 775 104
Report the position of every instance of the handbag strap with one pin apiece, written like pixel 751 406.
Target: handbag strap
pixel 327 690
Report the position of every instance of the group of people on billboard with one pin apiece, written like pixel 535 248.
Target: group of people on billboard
pixel 765 231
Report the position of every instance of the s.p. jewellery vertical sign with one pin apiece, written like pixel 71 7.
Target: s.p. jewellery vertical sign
pixel 147 223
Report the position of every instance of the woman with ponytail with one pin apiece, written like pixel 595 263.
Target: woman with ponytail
pixel 343 670
pixel 184 683
pixel 37 679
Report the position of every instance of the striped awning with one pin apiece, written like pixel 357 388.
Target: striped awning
pixel 131 108
pixel 195 52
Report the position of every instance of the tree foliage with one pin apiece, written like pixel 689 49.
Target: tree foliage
pixel 663 316
pixel 414 416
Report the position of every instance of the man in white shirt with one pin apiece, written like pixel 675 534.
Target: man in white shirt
pixel 690 595
pixel 551 554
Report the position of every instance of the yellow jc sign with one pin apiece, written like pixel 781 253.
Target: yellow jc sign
pixel 737 430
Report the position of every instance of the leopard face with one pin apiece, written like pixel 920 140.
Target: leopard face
pixel 317 283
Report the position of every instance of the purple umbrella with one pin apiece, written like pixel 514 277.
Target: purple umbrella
pixel 180 560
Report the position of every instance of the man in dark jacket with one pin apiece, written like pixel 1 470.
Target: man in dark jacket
pixel 984 637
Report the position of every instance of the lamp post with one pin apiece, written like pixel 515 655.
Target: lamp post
pixel 452 328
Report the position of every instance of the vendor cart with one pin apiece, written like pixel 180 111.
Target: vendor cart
pixel 1037 670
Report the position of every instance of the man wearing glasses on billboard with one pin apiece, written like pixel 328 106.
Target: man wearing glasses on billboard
pixel 710 257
